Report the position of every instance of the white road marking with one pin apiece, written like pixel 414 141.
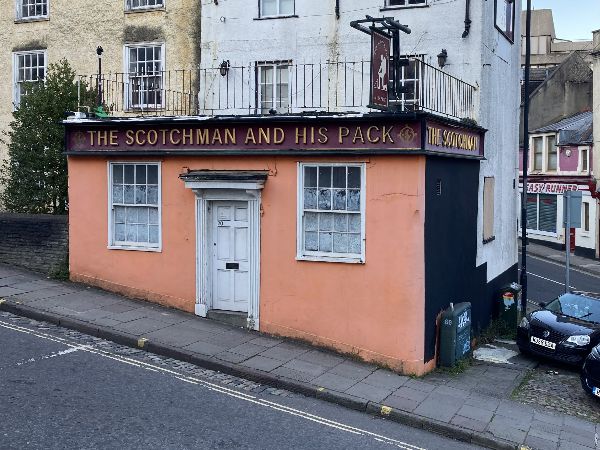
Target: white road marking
pixel 53 355
pixel 549 279
pixel 215 387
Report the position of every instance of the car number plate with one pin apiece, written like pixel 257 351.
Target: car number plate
pixel 543 343
pixel 596 391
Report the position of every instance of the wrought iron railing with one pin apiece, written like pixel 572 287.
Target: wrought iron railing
pixel 283 87
pixel 170 93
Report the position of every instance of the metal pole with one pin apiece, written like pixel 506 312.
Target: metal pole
pixel 99 51
pixel 523 279
pixel 567 198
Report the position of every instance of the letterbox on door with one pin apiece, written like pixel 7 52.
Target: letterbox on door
pixel 455 334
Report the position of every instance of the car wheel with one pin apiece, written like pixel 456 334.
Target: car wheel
pixel 524 351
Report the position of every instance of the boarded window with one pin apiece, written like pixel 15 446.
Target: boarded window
pixel 488 208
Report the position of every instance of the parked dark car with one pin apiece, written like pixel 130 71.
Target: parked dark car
pixel 566 329
pixel 590 373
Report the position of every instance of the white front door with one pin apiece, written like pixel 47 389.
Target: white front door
pixel 230 256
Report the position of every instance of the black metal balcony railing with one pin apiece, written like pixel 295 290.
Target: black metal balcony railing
pixel 328 87
pixel 281 87
pixel 170 93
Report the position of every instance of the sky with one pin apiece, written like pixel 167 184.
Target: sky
pixel 573 19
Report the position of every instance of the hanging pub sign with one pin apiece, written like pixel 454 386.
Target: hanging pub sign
pixel 380 70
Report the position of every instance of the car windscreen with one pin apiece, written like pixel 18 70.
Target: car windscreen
pixel 577 306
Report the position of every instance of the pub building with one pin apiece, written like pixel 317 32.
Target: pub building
pixel 349 231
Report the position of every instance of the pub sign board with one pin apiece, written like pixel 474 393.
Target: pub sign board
pixel 380 70
pixel 365 135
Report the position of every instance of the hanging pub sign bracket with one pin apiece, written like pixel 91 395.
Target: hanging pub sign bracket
pixel 385 39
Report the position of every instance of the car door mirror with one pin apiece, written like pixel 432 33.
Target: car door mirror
pixel 542 304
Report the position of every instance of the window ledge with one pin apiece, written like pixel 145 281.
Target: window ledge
pixel 289 16
pixel 330 259
pixel 395 7
pixel 144 10
pixel 488 240
pixel 33 19
pixel 131 247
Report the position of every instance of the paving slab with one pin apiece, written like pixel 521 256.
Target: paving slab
pixel 369 392
pixel 352 370
pixel 439 407
pixel 141 326
pixel 335 382
pixel 262 363
pixel 204 348
pixel 401 403
pixel 469 423
pixel 385 379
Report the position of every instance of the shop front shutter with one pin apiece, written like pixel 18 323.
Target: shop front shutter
pixel 532 212
pixel 548 213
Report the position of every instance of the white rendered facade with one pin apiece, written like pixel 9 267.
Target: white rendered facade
pixel 233 31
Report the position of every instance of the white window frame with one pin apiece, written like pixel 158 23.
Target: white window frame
pixel 19 11
pixel 148 247
pixel 128 7
pixel 407 4
pixel 545 153
pixel 580 165
pixel 278 14
pixel 16 83
pixel 301 254
pixel 128 101
pixel 275 65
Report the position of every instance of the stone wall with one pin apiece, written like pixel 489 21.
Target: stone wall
pixel 39 242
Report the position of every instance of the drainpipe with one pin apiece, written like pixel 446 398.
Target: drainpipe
pixel 337 9
pixel 467 19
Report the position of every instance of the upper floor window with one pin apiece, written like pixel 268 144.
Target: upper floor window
pixel 552 153
pixel 276 8
pixel 505 18
pixel 134 5
pixel 32 9
pixel 145 71
pixel 584 159
pixel 273 89
pixel 544 154
pixel 405 2
pixel 27 67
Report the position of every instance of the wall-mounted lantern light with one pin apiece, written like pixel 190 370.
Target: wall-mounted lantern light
pixel 224 68
pixel 442 57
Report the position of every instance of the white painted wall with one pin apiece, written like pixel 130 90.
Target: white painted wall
pixel 232 31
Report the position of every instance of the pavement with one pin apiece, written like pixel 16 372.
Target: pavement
pixel 586 265
pixel 473 406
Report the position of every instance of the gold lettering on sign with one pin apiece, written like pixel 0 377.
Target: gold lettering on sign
pixel 164 136
pixel 102 137
pixel 323 138
pixel 113 138
pixel 91 133
pixel 386 135
pixel 300 134
pixel 217 137
pixel 172 141
pixel 250 136
pixel 202 136
pixel 230 136
pixel 140 140
pixel 343 132
pixel 370 137
pixel 278 135
pixel 188 136
pixel 151 137
pixel 358 135
pixel 129 140
pixel 264 136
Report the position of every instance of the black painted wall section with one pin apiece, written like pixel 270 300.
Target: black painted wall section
pixel 451 274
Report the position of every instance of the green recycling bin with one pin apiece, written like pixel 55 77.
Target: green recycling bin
pixel 507 306
pixel 455 334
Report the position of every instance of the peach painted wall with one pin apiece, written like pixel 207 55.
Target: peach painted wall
pixel 375 310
